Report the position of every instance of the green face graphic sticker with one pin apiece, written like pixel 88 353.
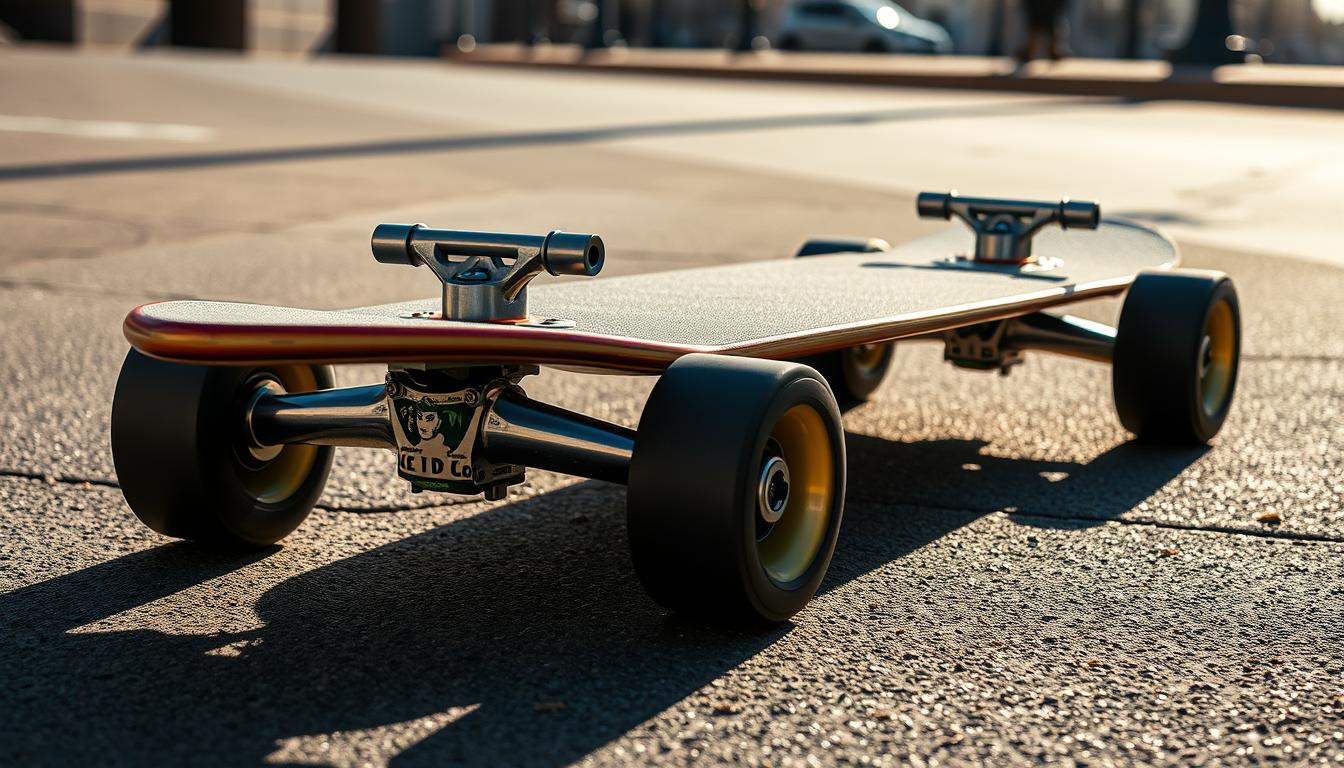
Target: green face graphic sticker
pixel 422 419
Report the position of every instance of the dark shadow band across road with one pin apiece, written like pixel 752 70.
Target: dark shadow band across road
pixel 177 162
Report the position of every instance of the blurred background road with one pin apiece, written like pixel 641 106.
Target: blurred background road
pixel 1015 581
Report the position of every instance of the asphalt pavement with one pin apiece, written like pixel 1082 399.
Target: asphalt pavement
pixel 1016 581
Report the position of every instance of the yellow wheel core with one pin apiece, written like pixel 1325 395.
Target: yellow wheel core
pixel 1217 353
pixel 792 542
pixel 282 476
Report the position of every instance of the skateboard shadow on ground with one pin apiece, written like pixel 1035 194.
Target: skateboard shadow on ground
pixel 528 613
pixel 959 474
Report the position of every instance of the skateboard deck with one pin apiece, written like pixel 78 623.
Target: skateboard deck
pixel 773 309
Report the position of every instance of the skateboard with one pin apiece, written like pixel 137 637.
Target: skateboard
pixel 225 414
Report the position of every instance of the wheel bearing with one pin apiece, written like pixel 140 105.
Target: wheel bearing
pixel 772 491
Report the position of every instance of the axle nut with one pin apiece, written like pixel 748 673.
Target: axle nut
pixel 572 253
pixel 392 243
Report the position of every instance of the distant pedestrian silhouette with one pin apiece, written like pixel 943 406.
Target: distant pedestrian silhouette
pixel 1042 25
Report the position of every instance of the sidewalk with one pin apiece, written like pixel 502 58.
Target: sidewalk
pixel 1263 84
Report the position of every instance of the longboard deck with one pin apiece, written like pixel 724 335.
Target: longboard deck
pixel 776 309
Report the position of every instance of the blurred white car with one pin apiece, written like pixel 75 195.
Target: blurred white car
pixel 875 26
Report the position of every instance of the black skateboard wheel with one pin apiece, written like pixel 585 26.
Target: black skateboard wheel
pixel 854 373
pixel 737 484
pixel 1177 351
pixel 185 467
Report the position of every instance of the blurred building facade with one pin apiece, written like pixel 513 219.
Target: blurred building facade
pixel 1287 31
pixel 276 25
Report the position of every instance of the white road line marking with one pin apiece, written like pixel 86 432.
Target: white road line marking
pixel 106 129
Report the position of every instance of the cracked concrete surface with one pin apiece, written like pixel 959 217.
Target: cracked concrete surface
pixel 1015 582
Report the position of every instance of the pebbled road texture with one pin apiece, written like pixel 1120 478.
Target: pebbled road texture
pixel 1015 582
